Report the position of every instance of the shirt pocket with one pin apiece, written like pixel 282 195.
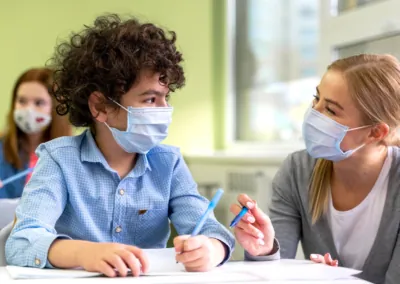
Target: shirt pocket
pixel 152 225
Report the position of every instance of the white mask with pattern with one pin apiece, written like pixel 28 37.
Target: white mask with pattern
pixel 31 121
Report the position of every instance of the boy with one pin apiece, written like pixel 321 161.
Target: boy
pixel 96 199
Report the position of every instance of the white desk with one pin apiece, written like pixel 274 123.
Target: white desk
pixel 234 272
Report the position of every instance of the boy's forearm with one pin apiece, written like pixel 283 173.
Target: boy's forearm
pixel 66 253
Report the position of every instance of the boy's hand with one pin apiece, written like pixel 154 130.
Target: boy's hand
pixel 199 253
pixel 112 259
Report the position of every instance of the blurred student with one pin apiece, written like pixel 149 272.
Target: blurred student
pixel 32 120
pixel 97 199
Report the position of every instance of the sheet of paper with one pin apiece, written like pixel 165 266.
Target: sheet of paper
pixel 162 262
pixel 291 270
pixel 164 269
pixel 36 273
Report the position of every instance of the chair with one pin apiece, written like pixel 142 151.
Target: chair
pixel 7 211
pixel 4 234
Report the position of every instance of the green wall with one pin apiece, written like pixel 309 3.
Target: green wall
pixel 29 30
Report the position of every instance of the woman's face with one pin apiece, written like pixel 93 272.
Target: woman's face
pixel 35 96
pixel 334 100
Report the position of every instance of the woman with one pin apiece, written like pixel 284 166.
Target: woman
pixel 32 120
pixel 341 196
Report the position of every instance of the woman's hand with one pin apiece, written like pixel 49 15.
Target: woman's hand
pixel 254 232
pixel 326 259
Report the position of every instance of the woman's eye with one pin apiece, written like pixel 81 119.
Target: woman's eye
pixel 22 101
pixel 315 100
pixel 39 103
pixel 330 111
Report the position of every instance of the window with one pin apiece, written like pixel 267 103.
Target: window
pixel 275 57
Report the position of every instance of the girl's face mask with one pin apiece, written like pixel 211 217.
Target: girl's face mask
pixel 31 121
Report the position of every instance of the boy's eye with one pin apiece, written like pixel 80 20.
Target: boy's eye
pixel 150 101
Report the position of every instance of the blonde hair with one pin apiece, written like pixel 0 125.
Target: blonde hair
pixel 374 85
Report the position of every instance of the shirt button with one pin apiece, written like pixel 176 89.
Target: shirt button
pixel 121 192
pixel 118 229
pixel 37 261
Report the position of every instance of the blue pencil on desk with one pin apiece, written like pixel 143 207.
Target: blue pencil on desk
pixel 239 217
pixel 16 176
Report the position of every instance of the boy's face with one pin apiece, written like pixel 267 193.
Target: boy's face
pixel 146 92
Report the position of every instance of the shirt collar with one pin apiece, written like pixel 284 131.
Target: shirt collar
pixel 92 154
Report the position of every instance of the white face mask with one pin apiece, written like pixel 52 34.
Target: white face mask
pixel 146 128
pixel 323 136
pixel 31 121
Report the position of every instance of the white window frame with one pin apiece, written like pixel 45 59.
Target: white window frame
pixel 371 21
pixel 367 22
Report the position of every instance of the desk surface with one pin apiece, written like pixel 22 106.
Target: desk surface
pixel 233 272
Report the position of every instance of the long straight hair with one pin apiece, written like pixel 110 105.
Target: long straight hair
pixel 13 137
pixel 374 85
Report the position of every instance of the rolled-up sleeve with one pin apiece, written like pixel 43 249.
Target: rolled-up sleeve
pixel 186 207
pixel 42 203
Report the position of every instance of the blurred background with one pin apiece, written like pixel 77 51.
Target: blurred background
pixel 251 65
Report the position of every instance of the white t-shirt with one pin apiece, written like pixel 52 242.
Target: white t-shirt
pixel 354 231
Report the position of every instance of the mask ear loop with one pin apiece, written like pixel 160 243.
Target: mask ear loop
pixel 357 128
pixel 118 104
pixel 360 127
pixel 121 106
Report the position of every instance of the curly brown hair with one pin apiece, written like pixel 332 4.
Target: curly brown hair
pixel 108 57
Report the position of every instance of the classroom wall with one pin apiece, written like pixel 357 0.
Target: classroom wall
pixel 29 30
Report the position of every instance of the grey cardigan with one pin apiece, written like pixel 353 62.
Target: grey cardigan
pixel 290 216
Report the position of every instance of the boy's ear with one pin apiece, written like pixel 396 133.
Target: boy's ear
pixel 97 106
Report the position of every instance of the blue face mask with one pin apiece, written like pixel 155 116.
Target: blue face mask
pixel 323 136
pixel 146 128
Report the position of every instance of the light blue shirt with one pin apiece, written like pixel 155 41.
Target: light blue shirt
pixel 73 193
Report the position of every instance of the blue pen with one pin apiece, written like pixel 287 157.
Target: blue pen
pixel 238 217
pixel 211 206
pixel 213 203
pixel 16 176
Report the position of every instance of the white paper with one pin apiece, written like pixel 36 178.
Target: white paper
pixel 164 269
pixel 162 262
pixel 17 272
pixel 293 270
